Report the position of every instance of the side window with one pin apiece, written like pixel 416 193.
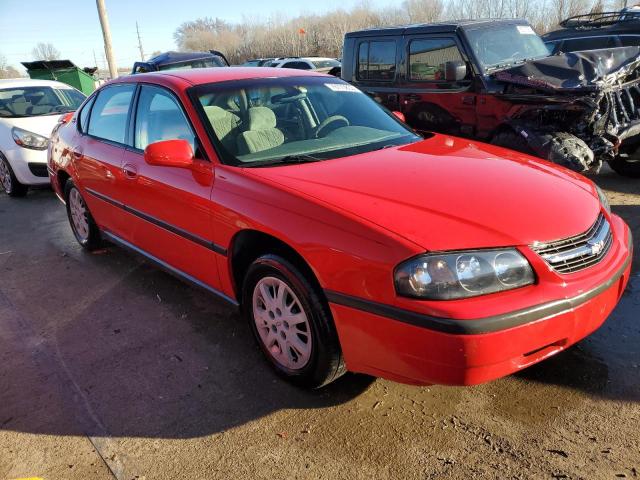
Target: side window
pixel 630 40
pixel 83 117
pixel 109 113
pixel 160 117
pixel 427 58
pixel 297 65
pixel 377 61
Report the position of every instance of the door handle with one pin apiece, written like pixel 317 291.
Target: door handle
pixel 130 171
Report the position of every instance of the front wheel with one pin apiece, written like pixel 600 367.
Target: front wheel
pixel 291 323
pixel 626 166
pixel 8 180
pixel 82 224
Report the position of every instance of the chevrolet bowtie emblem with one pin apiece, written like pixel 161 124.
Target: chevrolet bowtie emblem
pixel 596 247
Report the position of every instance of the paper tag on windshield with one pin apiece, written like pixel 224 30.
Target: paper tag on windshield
pixel 525 30
pixel 341 87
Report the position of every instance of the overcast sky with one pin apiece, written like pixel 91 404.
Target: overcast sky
pixel 72 26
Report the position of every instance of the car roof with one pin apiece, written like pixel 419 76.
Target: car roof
pixel 28 82
pixel 439 27
pixel 176 57
pixel 200 76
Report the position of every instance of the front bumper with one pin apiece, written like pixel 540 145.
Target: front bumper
pixel 413 348
pixel 29 166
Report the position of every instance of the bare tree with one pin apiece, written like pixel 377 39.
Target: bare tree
pixel 6 70
pixel 45 51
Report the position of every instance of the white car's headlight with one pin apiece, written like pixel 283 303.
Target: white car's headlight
pixel 462 274
pixel 28 139
pixel 604 200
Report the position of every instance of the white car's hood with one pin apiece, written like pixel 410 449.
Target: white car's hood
pixel 42 124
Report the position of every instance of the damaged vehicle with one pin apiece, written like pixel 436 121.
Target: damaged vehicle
pixel 496 81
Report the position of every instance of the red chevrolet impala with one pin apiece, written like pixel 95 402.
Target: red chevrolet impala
pixel 349 241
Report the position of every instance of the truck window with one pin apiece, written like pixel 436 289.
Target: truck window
pixel 427 58
pixel 377 61
pixel 588 43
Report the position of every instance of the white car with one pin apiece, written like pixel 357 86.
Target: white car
pixel 29 109
pixel 321 64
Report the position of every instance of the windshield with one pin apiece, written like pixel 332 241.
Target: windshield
pixel 265 121
pixel 505 45
pixel 36 101
pixel 329 63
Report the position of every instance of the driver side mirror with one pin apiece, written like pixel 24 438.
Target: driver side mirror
pixel 169 153
pixel 455 71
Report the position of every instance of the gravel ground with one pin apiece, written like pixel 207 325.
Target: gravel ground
pixel 110 368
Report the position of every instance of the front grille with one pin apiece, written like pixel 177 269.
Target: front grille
pixel 39 169
pixel 579 252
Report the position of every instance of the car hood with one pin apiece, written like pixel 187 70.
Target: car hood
pixel 42 124
pixel 589 70
pixel 447 193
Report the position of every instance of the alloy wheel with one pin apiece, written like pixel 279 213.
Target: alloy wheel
pixel 78 211
pixel 282 323
pixel 5 176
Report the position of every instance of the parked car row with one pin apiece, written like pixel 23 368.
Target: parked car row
pixel 349 239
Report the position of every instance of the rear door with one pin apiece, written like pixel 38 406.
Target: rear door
pixel 430 101
pixel 376 67
pixel 99 151
pixel 171 207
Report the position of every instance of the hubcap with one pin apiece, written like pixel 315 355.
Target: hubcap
pixel 78 212
pixel 5 176
pixel 282 323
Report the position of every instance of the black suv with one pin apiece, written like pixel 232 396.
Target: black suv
pixel 596 30
pixel 495 80
pixel 173 60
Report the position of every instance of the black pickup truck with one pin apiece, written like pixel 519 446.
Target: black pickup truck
pixel 496 81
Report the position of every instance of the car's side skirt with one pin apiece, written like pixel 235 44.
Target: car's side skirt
pixel 168 268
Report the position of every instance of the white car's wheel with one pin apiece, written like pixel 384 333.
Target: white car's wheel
pixel 8 180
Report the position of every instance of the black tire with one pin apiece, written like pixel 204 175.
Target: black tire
pixel 511 140
pixel 13 187
pixel 93 240
pixel 325 362
pixel 626 167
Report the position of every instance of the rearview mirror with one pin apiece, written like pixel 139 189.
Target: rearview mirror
pixel 455 71
pixel 400 116
pixel 169 153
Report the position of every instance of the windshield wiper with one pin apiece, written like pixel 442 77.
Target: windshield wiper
pixel 286 160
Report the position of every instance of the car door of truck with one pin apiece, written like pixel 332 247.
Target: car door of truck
pixel 430 100
pixel 376 66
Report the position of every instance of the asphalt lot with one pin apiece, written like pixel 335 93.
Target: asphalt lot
pixel 110 368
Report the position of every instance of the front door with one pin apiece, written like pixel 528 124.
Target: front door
pixel 428 99
pixel 170 204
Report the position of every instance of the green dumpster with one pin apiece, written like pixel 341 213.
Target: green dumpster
pixel 62 71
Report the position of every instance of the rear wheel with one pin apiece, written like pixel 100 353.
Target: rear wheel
pixel 8 180
pixel 626 166
pixel 291 323
pixel 82 224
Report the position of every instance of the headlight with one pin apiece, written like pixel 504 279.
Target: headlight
pixel 604 200
pixel 28 139
pixel 462 274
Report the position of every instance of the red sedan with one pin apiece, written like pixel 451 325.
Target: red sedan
pixel 348 241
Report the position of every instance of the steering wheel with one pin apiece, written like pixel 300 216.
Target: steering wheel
pixel 333 119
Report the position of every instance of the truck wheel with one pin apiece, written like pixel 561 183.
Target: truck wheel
pixel 628 167
pixel 291 323
pixel 513 141
pixel 8 180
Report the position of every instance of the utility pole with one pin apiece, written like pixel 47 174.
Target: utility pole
pixel 95 59
pixel 106 33
pixel 140 43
